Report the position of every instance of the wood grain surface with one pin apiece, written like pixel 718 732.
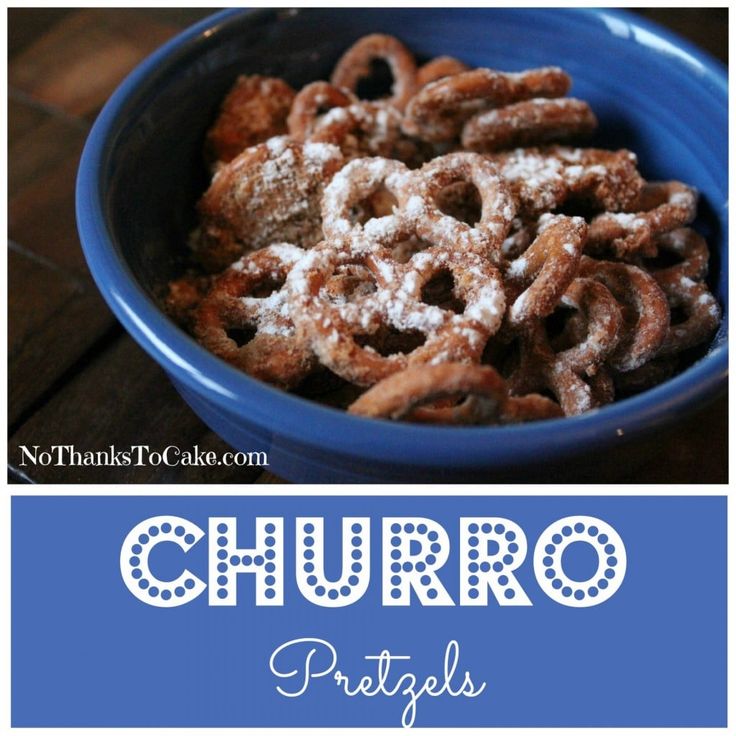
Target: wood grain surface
pixel 75 377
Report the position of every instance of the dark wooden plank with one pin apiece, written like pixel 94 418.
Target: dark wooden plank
pixel 42 175
pixel 122 399
pixel 53 319
pixel 25 25
pixel 23 116
pixel 39 141
pixel 696 452
pixel 80 60
pixel 179 17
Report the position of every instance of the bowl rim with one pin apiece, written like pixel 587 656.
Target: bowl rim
pixel 285 415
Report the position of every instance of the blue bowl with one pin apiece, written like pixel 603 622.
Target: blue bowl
pixel 141 173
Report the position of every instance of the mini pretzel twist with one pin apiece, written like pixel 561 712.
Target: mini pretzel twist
pixel 546 269
pixel 334 329
pixel 420 202
pixel 311 103
pixel 660 207
pixel 529 123
pixel 702 313
pixel 644 307
pixel 691 250
pixel 439 68
pixel 274 354
pixel 355 64
pixel 419 218
pixel 483 393
pixel 439 110
pixel 366 129
pixel 360 200
pixel 564 372
pixel 542 179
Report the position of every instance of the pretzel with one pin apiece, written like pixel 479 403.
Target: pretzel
pixel 529 123
pixel 438 68
pixel 253 111
pixel 355 64
pixel 520 237
pixel 542 179
pixel 366 129
pixel 660 207
pixel 362 197
pixel 404 394
pixel 274 353
pixel 604 319
pixel 313 101
pixel 269 193
pixel 702 313
pixel 644 307
pixel 438 110
pixel 420 202
pixel 691 250
pixel 333 329
pixel 565 372
pixel 546 268
pixel 460 200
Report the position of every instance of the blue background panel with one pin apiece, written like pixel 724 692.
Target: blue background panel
pixel 85 652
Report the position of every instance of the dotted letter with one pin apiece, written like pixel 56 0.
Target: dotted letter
pixel 609 575
pixel 310 562
pixel 413 548
pixel 265 560
pixel 134 561
pixel 490 550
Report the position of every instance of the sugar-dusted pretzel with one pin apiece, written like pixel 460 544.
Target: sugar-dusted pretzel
pixel 366 129
pixel 422 199
pixel 569 373
pixel 438 111
pixel 529 123
pixel 355 64
pixel 520 237
pixel 364 195
pixel 335 328
pixel 248 300
pixel 253 111
pixel 269 193
pixel 312 102
pixel 691 250
pixel 701 311
pixel 604 318
pixel 542 274
pixel 542 179
pixel 438 68
pixel 482 392
pixel 644 307
pixel 660 208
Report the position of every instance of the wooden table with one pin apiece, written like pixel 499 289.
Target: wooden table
pixel 75 377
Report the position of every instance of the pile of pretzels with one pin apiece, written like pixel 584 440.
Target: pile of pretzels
pixel 447 253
